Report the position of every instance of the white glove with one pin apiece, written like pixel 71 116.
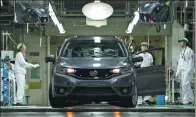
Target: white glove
pixel 36 65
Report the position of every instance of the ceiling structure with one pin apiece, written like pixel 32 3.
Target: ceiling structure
pixel 69 12
pixel 74 22
pixel 73 8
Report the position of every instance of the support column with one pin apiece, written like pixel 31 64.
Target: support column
pixel 48 65
pixel 195 52
pixel 3 40
pixel 173 47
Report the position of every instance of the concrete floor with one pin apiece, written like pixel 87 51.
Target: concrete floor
pixel 96 114
pixel 98 110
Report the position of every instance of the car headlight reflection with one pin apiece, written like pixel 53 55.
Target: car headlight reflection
pixel 62 70
pixel 70 70
pixel 116 71
pixel 124 70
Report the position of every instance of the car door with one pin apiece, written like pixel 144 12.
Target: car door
pixel 151 80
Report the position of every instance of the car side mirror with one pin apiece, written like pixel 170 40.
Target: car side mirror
pixel 137 59
pixel 50 58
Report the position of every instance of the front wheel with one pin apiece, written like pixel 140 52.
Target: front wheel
pixel 55 102
pixel 132 101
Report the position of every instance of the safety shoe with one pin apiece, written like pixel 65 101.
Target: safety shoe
pixel 5 104
pixel 190 103
pixel 19 104
pixel 139 105
pixel 146 103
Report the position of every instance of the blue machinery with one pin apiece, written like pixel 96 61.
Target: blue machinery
pixel 6 86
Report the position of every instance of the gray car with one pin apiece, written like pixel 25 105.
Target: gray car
pixel 95 69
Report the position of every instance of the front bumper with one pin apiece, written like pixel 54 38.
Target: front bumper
pixel 93 88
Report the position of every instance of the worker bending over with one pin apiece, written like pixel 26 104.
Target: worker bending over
pixel 147 61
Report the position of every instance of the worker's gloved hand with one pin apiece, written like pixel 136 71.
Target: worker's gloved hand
pixel 36 65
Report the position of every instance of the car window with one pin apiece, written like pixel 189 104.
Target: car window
pixel 89 48
pixel 158 57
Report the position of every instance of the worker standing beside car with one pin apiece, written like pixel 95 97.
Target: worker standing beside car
pixel 20 72
pixel 185 70
pixel 147 61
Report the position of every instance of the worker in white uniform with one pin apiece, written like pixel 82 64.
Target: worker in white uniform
pixel 147 61
pixel 185 70
pixel 11 76
pixel 20 72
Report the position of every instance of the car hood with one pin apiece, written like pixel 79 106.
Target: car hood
pixel 93 62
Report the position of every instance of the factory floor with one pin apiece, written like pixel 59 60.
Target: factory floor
pixel 99 110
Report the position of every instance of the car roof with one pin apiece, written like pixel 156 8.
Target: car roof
pixel 86 38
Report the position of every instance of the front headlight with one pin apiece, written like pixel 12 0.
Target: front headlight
pixel 116 71
pixel 123 70
pixel 62 70
pixel 126 70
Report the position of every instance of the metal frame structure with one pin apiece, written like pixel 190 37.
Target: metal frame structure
pixel 71 8
pixel 185 17
pixel 195 52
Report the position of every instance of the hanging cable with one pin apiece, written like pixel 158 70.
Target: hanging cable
pixel 12 39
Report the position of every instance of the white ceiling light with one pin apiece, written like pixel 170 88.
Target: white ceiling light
pixel 1 3
pixel 96 23
pixel 97 10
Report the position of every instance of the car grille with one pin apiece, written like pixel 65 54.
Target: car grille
pixel 92 90
pixel 93 73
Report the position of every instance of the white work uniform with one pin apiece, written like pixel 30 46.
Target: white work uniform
pixel 12 78
pixel 147 61
pixel 184 71
pixel 20 71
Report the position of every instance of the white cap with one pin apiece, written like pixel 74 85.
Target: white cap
pixel 145 43
pixel 20 45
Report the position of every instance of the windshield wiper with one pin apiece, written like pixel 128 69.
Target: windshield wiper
pixel 103 55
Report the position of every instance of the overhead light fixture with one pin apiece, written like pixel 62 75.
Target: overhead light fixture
pixel 97 10
pixel 1 3
pixel 186 3
pixel 61 29
pixel 134 22
pixel 55 20
pixel 98 26
pixel 15 18
pixel 96 23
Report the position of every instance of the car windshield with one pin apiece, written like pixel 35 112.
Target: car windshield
pixel 90 48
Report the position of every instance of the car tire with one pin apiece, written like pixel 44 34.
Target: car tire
pixel 131 102
pixel 55 102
